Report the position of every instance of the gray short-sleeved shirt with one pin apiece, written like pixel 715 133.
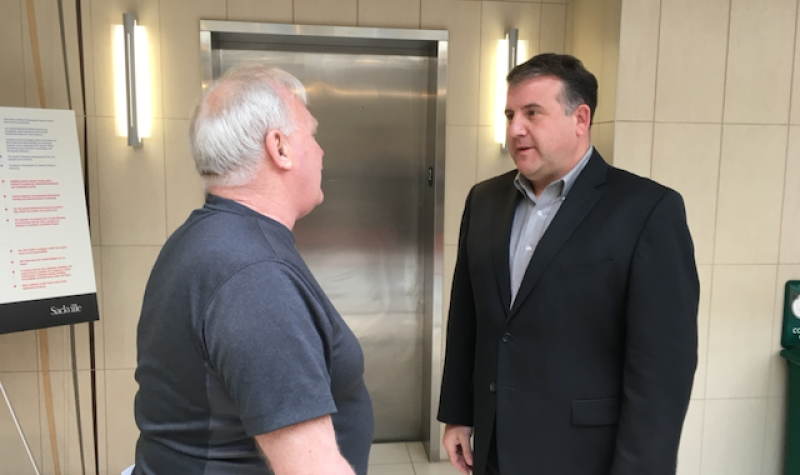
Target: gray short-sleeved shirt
pixel 237 339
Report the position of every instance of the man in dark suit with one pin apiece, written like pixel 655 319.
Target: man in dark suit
pixel 572 333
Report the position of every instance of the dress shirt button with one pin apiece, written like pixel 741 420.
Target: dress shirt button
pixel 528 248
pixel 506 337
pixel 538 213
pixel 493 388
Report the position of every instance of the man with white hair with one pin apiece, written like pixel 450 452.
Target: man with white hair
pixel 240 353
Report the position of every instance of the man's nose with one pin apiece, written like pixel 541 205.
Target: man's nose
pixel 514 127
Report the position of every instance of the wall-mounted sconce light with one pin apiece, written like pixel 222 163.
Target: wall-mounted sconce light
pixel 510 52
pixel 131 80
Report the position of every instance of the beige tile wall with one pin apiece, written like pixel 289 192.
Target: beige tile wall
pixel 790 226
pixel 12 76
pixel 23 390
pixel 389 13
pixel 760 46
pixel 276 11
pixel 637 73
pixel 704 105
pixel 670 109
pixel 693 169
pixel 593 29
pixel 691 59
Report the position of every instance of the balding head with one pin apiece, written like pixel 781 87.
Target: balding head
pixel 233 117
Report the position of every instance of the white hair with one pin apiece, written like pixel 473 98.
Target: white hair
pixel 232 118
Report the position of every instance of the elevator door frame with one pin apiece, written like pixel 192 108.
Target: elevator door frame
pixel 220 35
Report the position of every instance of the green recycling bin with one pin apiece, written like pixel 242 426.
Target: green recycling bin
pixel 793 419
pixel 790 340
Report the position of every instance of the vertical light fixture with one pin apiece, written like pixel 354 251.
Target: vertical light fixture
pixel 510 52
pixel 131 80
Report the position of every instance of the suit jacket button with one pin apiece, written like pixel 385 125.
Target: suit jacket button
pixel 506 337
pixel 493 387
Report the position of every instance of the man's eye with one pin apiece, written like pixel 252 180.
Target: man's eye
pixel 532 113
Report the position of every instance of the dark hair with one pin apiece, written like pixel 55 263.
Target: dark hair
pixel 580 86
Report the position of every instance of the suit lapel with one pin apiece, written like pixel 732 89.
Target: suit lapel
pixel 501 237
pixel 580 201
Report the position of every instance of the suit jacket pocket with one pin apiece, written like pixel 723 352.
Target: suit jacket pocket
pixel 596 412
pixel 593 267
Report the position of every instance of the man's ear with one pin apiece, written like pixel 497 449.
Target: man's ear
pixel 278 149
pixel 583 119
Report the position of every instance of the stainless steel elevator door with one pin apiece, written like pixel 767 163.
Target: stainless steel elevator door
pixel 363 243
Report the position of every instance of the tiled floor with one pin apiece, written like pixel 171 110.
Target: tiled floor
pixel 405 459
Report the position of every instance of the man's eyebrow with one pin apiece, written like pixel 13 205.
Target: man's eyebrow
pixel 531 105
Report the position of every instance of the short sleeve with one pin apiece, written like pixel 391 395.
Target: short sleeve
pixel 266 337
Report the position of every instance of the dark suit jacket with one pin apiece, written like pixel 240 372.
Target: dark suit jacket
pixel 590 371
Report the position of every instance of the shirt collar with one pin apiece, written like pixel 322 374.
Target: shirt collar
pixel 526 188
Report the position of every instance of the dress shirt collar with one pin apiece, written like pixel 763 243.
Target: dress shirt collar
pixel 565 184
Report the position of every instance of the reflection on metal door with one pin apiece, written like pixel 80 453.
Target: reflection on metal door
pixel 364 243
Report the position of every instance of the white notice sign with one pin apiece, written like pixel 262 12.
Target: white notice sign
pixel 46 269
